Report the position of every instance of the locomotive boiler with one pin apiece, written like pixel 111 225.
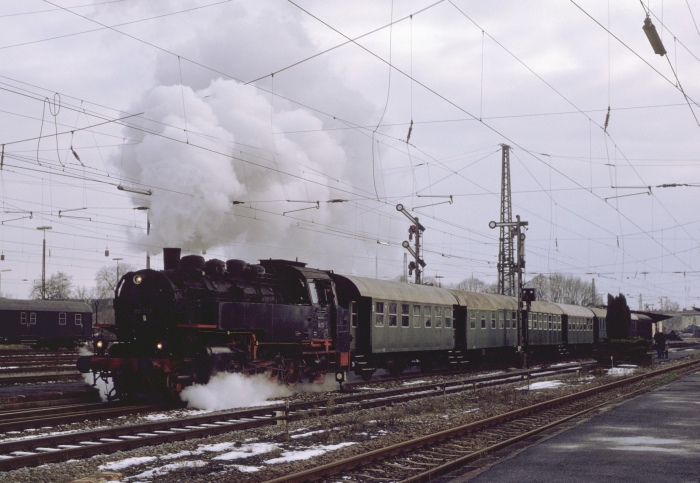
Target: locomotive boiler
pixel 182 325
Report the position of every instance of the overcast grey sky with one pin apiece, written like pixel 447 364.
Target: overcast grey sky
pixel 282 107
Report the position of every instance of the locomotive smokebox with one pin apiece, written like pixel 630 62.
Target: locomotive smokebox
pixel 171 258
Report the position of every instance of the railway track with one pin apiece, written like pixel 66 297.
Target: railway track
pixel 12 421
pixel 37 451
pixel 426 457
pixel 64 376
pixel 29 368
pixel 49 400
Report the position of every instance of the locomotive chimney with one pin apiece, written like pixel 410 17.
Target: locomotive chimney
pixel 171 258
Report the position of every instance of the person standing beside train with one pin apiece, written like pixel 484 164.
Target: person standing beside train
pixel 660 340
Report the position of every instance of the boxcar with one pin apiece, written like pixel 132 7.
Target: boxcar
pixel 45 323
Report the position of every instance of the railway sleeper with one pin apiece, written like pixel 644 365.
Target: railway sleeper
pixel 429 459
pixel 404 468
pixel 374 478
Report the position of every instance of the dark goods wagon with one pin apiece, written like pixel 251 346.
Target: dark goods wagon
pixel 182 325
pixel 45 323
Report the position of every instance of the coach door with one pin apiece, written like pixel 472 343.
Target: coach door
pixel 460 321
pixel 353 325
pixel 361 325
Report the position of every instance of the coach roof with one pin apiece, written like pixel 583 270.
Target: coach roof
pixel 400 291
pixel 45 305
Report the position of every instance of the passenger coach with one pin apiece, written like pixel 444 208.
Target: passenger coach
pixel 544 326
pixel 45 323
pixel 392 324
pixel 577 327
pixel 486 324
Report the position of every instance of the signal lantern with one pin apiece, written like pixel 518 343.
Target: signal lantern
pixel 411 267
pixel 411 230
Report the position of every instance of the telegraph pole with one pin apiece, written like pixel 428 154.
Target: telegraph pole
pixel 43 261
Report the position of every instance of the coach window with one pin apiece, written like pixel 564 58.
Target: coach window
pixel 78 319
pixel 379 314
pixel 62 318
pixel 513 320
pixel 405 315
pixel 499 316
pixel 438 316
pixel 472 320
pixel 32 318
pixel 531 316
pixel 448 317
pixel 393 319
pixel 353 314
pixel 23 318
pixel 493 320
pixel 483 320
pixel 550 321
pixel 428 315
pixel 416 316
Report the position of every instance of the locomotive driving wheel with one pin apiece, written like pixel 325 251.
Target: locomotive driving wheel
pixel 290 376
pixel 285 371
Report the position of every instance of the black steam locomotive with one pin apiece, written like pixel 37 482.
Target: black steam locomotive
pixel 180 326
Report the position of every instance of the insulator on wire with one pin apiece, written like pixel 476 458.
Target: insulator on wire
pixel 653 37
pixel 607 119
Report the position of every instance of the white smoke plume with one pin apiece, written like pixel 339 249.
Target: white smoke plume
pixel 228 391
pixel 232 152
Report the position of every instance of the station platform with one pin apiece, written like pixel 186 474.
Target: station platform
pixel 654 437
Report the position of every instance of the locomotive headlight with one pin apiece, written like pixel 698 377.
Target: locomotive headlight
pixel 138 279
pixel 160 345
pixel 100 347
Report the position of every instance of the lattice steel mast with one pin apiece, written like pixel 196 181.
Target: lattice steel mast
pixel 506 273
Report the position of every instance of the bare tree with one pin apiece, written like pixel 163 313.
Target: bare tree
pixel 106 280
pixel 58 287
pixel 472 284
pixel 83 293
pixel 564 289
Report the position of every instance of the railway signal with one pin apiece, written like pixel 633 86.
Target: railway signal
pixel 518 267
pixel 415 230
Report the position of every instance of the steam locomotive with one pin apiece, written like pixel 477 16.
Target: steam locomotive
pixel 195 318
pixel 181 325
